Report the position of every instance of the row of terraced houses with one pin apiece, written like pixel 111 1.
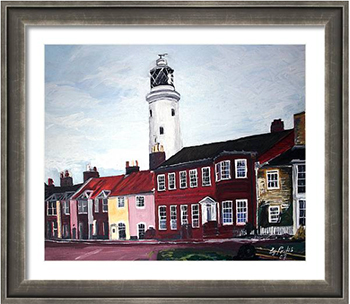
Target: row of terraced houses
pixel 254 184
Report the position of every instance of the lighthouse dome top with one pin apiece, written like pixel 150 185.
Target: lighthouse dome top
pixel 162 74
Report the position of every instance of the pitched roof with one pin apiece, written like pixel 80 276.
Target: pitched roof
pixel 49 190
pixel 256 143
pixel 134 183
pixel 297 153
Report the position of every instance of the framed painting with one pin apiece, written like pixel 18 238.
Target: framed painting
pixel 155 152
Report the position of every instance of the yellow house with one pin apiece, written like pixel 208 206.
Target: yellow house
pixel 118 218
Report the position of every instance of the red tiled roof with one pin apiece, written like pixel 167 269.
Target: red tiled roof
pixel 134 183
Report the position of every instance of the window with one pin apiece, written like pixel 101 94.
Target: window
pixel 65 207
pixel 222 170
pixel 272 179
pixel 141 229
pixel 104 205
pixel 183 179
pixel 195 215
pixel 193 178
pixel 227 216
pixel 121 231
pixel 161 130
pixel 241 168
pixel 172 112
pixel 140 201
pixel 97 206
pixel 301 177
pixel 171 181
pixel 184 215
pixel 121 202
pixel 51 208
pixel 274 214
pixel 173 217
pixel 82 206
pixel 206 176
pixel 162 217
pixel 302 212
pixel 161 182
pixel 150 113
pixel 241 211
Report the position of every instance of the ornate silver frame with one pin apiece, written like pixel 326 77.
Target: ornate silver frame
pixel 16 16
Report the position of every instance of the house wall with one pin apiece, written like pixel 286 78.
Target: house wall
pixel 117 215
pixel 73 219
pixel 141 215
pixel 100 217
pixel 281 197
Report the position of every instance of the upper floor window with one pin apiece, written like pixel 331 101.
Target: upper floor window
pixel 274 214
pixel 161 182
pixel 241 168
pixel 241 211
pixel 172 112
pixel 104 205
pixel 193 178
pixel 121 202
pixel 227 216
pixel 301 178
pixel 183 179
pixel 140 201
pixel 82 206
pixel 97 205
pixel 161 130
pixel 223 170
pixel 206 176
pixel 51 208
pixel 171 181
pixel 272 179
pixel 162 217
pixel 65 207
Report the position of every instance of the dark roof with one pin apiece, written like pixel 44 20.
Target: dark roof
pixel 297 153
pixel 49 190
pixel 256 143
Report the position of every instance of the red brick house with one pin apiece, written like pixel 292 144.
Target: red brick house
pixel 210 190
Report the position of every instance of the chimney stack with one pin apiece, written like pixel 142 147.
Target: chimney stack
pixel 156 157
pixel 66 179
pixel 133 168
pixel 277 125
pixel 299 129
pixel 50 182
pixel 90 173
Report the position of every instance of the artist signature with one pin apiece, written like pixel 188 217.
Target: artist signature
pixel 281 252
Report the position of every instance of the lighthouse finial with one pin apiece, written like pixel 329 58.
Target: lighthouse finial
pixel 162 55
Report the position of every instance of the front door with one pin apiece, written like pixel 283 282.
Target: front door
pixel 113 232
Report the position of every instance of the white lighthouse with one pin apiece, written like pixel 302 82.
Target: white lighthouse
pixel 163 100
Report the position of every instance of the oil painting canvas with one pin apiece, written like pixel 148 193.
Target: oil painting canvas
pixel 175 152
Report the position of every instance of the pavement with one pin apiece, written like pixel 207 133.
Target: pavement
pixel 138 251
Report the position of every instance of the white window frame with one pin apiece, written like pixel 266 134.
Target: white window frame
pixel 104 205
pixel 196 176
pixel 269 173
pixel 121 222
pixel 173 213
pixel 66 207
pixel 97 205
pixel 169 181
pixel 184 221
pixel 245 168
pixel 299 217
pixel 271 220
pixel 183 179
pixel 209 177
pixel 245 201
pixel 162 218
pixel 83 202
pixel 138 229
pixel 297 186
pixel 193 214
pixel 230 209
pixel 221 169
pixel 217 172
pixel 119 199
pixel 51 208
pixel 136 202
pixel 158 183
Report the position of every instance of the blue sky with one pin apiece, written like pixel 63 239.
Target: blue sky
pixel 96 112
